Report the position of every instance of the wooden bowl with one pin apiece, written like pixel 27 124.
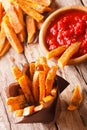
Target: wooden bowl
pixel 46 24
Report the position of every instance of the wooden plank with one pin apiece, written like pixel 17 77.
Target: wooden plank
pixel 4 123
pixel 62 3
pixel 84 2
pixel 32 52
pixel 82 69
pixel 71 119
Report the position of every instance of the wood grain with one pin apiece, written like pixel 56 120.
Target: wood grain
pixel 73 74
pixel 84 2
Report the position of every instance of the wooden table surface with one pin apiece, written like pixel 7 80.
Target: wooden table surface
pixel 68 120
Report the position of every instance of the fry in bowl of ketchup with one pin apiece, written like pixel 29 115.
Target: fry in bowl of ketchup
pixel 66 26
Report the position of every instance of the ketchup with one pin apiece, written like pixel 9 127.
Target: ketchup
pixel 67 28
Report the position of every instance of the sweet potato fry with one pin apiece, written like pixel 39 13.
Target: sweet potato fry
pixel 29 11
pixel 42 67
pixel 42 2
pixel 17 73
pixel 41 85
pixel 5 48
pixel 50 79
pixel 76 99
pixel 31 28
pixel 13 17
pixel 35 86
pixel 56 52
pixel 19 13
pixel 15 107
pixel 70 51
pixel 25 84
pixel 46 69
pixel 1 12
pixel 32 69
pixel 22 33
pixel 38 7
pixel 2 37
pixel 28 110
pixel 48 98
pixel 17 102
pixel 18 113
pixel 38 108
pixel 11 35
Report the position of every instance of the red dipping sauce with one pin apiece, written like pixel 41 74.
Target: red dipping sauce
pixel 67 28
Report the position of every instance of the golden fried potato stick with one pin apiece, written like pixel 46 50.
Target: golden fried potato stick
pixel 46 69
pixel 41 85
pixel 1 12
pixel 38 7
pixel 17 73
pixel 16 103
pixel 47 98
pixel 14 107
pixel 56 52
pixel 31 28
pixel 32 69
pixel 28 110
pixel 22 33
pixel 18 113
pixel 25 84
pixel 13 17
pixel 35 86
pixel 11 35
pixel 19 13
pixel 41 2
pixel 2 37
pixel 69 52
pixel 29 11
pixel 13 100
pixel 50 79
pixel 5 48
pixel 76 99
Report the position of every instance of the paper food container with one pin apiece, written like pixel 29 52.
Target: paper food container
pixel 51 110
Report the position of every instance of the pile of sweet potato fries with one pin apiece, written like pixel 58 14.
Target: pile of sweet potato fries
pixel 35 87
pixel 19 20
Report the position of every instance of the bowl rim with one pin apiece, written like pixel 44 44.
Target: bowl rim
pixel 46 24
